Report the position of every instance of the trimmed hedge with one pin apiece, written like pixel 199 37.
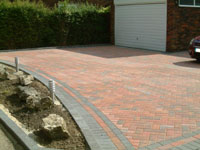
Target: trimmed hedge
pixel 25 24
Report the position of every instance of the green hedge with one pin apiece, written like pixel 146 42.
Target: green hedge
pixel 25 25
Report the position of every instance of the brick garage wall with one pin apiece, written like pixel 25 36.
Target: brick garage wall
pixel 183 23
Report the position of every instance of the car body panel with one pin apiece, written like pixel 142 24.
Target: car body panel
pixel 195 43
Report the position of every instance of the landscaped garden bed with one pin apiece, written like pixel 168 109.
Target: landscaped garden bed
pixel 29 102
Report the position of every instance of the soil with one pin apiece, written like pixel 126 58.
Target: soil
pixel 32 119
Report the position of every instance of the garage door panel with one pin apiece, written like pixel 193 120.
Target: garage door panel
pixel 138 30
pixel 146 43
pixel 137 34
pixel 137 46
pixel 147 39
pixel 152 41
pixel 141 26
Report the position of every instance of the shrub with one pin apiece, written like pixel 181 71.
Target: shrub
pixel 25 24
pixel 86 23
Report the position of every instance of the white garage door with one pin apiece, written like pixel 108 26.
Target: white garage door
pixel 141 26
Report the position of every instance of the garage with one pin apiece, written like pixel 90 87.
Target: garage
pixel 141 24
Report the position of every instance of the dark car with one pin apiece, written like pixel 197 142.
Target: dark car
pixel 194 48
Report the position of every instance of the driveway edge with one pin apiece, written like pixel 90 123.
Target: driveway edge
pixel 94 134
pixel 53 47
pixel 19 134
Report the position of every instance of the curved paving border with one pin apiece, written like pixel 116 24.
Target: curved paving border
pixel 95 135
pixel 162 144
pixel 19 134
pixel 116 131
pixel 174 143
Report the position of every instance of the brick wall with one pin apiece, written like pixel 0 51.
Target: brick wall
pixel 183 24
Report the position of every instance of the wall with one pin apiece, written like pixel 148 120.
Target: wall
pixel 183 25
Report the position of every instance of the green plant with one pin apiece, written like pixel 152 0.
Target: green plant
pixel 25 24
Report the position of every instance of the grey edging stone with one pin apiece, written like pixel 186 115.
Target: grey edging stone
pixel 19 134
pixel 94 134
pixel 117 132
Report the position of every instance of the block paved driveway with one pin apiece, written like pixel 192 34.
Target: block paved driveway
pixel 152 98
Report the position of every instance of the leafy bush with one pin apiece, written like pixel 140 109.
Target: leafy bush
pixel 25 24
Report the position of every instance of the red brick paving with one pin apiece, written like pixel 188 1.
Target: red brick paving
pixel 149 96
pixel 180 142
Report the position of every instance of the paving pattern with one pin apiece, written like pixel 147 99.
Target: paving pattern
pixel 152 98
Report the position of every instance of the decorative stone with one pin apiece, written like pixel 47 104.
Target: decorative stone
pixel 33 102
pixel 19 73
pixel 2 66
pixel 46 102
pixel 26 79
pixel 14 77
pixel 25 92
pixel 54 127
pixel 3 72
pixel 30 96
pixel 33 98
pixel 9 69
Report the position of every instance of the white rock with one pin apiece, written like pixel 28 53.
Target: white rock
pixel 2 66
pixel 46 102
pixel 9 69
pixel 33 102
pixel 18 74
pixel 3 73
pixel 26 79
pixel 25 92
pixel 2 69
pixel 33 98
pixel 54 127
pixel 14 77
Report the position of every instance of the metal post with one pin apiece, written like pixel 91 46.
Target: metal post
pixel 17 64
pixel 52 89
